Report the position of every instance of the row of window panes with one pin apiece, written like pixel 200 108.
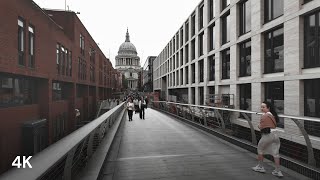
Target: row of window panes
pixel 63 60
pixel 274 50
pixel 274 9
pixel 22 44
pixel 82 69
pixel 17 91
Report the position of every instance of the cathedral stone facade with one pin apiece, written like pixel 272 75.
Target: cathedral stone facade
pixel 128 63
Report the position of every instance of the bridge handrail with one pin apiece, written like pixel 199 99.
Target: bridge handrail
pixel 295 119
pixel 305 118
pixel 46 159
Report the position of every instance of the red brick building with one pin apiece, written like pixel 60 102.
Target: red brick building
pixel 49 66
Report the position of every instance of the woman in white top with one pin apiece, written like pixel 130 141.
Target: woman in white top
pixel 130 107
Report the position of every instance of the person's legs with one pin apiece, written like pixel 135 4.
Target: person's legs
pixel 260 159
pixel 277 163
pixel 142 112
pixel 130 115
pixel 259 167
pixel 261 146
pixel 276 157
pixel 277 171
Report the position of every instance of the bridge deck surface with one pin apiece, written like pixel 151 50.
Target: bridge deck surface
pixel 163 148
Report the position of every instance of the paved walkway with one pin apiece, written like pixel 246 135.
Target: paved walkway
pixel 163 148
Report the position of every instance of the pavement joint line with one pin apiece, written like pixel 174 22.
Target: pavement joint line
pixel 214 153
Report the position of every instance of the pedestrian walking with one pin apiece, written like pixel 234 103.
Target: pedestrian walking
pixel 269 142
pixel 136 105
pixel 130 108
pixel 147 101
pixel 142 105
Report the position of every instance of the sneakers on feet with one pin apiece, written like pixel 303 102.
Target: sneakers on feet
pixel 259 168
pixel 277 173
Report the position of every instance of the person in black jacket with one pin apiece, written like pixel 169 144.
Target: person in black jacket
pixel 142 105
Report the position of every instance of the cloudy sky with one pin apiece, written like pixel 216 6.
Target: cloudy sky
pixel 151 23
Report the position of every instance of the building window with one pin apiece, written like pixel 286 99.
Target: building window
pixel 58 57
pixel 17 91
pixel 177 42
pixel 193 49
pixel 174 45
pixel 245 17
pixel 193 72
pixel 82 69
pixel 82 44
pixel 306 1
pixel 312 40
pixel 201 96
pixel 173 62
pixel 186 51
pixel 211 90
pixel 274 51
pixel 62 60
pixel 177 60
pixel 181 76
pixel 225 64
pixel 201 16
pixel 92 72
pixel 193 94
pixel 245 59
pixel 193 25
pixel 224 4
pixel 31 47
pixel 181 36
pixel 56 91
pixel 187 75
pixel 211 38
pixel 173 78
pixel 274 93
pixel 201 71
pixel 21 42
pixel 211 68
pixel 70 63
pixel 200 44
pixel 211 9
pixel 245 98
pixel 273 9
pixel 187 31
pixel 177 76
pixel 181 57
pixel 225 28
pixel 312 105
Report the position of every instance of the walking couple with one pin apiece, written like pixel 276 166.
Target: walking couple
pixel 142 105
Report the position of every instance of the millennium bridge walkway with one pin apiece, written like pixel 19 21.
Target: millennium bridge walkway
pixel 175 141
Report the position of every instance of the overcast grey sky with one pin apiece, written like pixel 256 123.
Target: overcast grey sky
pixel 151 23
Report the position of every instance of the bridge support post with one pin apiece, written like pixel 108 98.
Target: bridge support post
pixel 311 160
pixel 253 134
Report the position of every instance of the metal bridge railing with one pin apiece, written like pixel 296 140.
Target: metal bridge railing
pixel 64 159
pixel 301 149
